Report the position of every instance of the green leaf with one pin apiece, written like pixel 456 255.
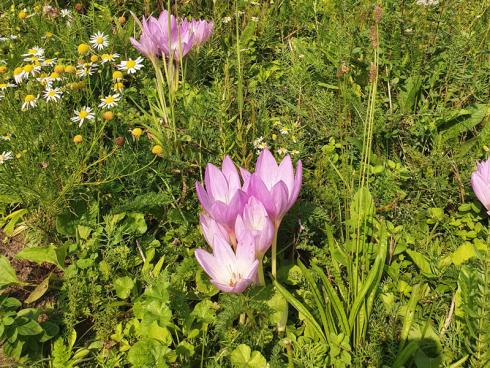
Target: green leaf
pixel 279 305
pixel 301 309
pixel 420 261
pixel 49 254
pixel 147 353
pixel 39 291
pixel 463 253
pixel 123 286
pixel 7 273
pixel 135 223
pixel 362 206
pixel 12 219
pixel 242 357
pixel 30 328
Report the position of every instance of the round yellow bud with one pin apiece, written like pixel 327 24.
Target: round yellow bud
pixel 108 115
pixel 117 75
pixel 83 48
pixel 22 14
pixel 78 139
pixel 121 19
pixel 274 136
pixel 137 132
pixel 28 68
pixel 3 69
pixel 157 150
pixel 94 58
pixel 18 70
pixel 60 69
pixel 54 75
pixel 118 86
pixel 70 69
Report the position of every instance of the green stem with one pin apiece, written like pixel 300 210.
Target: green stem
pixel 261 271
pixel 274 251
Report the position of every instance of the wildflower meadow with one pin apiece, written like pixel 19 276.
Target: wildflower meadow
pixel 244 184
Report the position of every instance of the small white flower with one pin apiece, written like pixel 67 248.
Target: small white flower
pixel 85 70
pixel 30 101
pixel 284 130
pixel 49 62
pixel 20 75
pixel 258 141
pixel 294 152
pixel 6 137
pixel 65 13
pixel 45 81
pixel 131 66
pixel 105 58
pixel 110 101
pixel 226 20
pixel 99 41
pixel 53 94
pixel 85 113
pixel 282 151
pixel 427 2
pixel 5 156
pixel 4 86
pixel 34 59
pixel 13 37
pixel 255 19
pixel 35 51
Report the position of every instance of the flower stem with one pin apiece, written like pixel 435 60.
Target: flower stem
pixel 274 252
pixel 261 271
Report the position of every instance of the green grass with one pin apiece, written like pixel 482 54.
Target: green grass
pixel 398 106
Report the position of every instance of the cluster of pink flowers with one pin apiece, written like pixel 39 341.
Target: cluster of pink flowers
pixel 242 216
pixel 170 37
pixel 480 181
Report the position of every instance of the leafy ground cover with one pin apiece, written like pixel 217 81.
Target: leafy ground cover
pixel 378 111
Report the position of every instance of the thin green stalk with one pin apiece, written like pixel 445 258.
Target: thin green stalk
pixel 261 271
pixel 274 251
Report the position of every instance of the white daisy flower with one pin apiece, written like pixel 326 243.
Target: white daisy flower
pixel 19 75
pixel 282 151
pixel 226 20
pixel 99 41
pixel 105 58
pixel 85 113
pixel 35 51
pixel 6 137
pixel 5 156
pixel 85 70
pixel 110 101
pixel 34 59
pixel 31 69
pixel 45 81
pixel 49 62
pixel 53 94
pixel 131 66
pixel 30 101
pixel 3 39
pixel 4 86
pixel 255 19
pixel 294 152
pixel 284 130
pixel 65 13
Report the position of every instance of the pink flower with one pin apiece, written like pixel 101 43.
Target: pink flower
pixel 146 45
pixel 480 181
pixel 223 198
pixel 211 229
pixel 276 186
pixel 229 271
pixel 255 222
pixel 170 37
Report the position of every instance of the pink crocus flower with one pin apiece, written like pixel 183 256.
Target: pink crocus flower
pixel 223 198
pixel 172 37
pixel 276 186
pixel 480 181
pixel 146 44
pixel 210 229
pixel 255 222
pixel 229 271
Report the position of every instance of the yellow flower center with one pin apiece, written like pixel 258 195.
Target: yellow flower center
pixel 82 114
pixel 54 75
pixel 109 100
pixel 118 86
pixel 130 64
pixel 28 68
pixel 106 57
pixel 18 71
pixel 3 85
pixel 136 132
pixel 29 98
pixel 99 40
pixel 117 75
pixel 52 93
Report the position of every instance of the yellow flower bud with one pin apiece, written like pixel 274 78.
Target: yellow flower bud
pixel 94 58
pixel 78 139
pixel 70 69
pixel 60 69
pixel 157 150
pixel 108 115
pixel 83 48
pixel 136 132
pixel 117 75
pixel 22 15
